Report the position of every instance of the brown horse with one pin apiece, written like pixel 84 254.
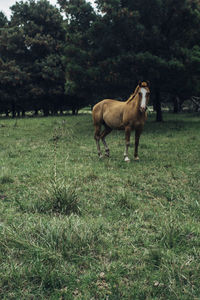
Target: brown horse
pixel 127 115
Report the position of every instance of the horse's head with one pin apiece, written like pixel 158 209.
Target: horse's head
pixel 144 94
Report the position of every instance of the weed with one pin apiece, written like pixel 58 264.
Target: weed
pixel 63 199
pixel 6 179
pixel 124 200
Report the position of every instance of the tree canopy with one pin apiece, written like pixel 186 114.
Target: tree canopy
pixel 54 60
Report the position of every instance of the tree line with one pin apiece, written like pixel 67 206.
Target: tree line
pixel 63 59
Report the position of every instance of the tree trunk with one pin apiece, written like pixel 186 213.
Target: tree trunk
pixel 157 106
pixel 45 112
pixel 13 113
pixel 74 111
pixel 176 105
pixel 13 109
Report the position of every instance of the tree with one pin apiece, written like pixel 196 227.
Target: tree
pixel 33 41
pixel 112 50
pixel 80 74
pixel 157 45
pixel 13 78
pixel 44 34
pixel 3 20
pixel 75 62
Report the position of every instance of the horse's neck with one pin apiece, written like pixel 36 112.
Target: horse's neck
pixel 134 103
pixel 132 96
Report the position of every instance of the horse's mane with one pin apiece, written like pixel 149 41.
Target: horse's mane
pixel 132 96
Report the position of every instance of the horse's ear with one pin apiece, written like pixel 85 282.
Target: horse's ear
pixel 148 83
pixel 140 83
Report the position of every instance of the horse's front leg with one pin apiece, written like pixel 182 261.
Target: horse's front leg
pixel 138 132
pixel 127 143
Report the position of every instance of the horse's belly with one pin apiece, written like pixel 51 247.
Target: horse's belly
pixel 114 123
pixel 113 114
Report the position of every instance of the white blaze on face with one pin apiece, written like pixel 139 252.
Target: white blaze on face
pixel 143 102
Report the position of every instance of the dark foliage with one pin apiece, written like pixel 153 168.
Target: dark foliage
pixel 51 63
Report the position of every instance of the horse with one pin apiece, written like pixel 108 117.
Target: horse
pixel 129 115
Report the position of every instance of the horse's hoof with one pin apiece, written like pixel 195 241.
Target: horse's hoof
pixel 107 154
pixel 126 159
pixel 136 158
pixel 100 156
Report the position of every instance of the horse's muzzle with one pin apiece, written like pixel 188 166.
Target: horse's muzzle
pixel 143 109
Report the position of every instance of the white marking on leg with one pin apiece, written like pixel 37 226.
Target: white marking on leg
pixel 126 159
pixel 126 150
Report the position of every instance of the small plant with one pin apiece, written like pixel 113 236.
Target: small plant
pixel 59 199
pixel 6 179
pixel 173 237
pixel 155 257
pixel 56 137
pixel 63 199
pixel 123 200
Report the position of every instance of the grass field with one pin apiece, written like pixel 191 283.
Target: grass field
pixel 73 226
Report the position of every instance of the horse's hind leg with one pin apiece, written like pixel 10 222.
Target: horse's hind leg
pixel 97 136
pixel 106 131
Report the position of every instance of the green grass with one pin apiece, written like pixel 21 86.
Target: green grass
pixel 73 226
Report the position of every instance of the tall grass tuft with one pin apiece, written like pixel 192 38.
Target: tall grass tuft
pixel 62 199
pixel 59 198
pixel 6 179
